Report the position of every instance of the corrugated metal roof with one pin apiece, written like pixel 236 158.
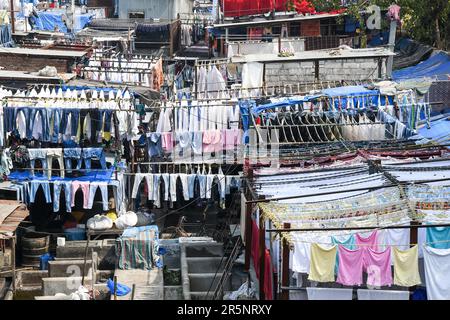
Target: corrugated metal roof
pixel 19 212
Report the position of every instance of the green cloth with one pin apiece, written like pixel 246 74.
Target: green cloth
pixel 136 252
pixel 350 244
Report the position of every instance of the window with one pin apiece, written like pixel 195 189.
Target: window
pixel 140 14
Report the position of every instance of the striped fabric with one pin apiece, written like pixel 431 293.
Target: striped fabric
pixel 137 251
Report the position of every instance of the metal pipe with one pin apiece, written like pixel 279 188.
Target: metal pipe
pixel 343 191
pixel 357 228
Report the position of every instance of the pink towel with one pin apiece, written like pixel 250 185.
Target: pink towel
pixel 167 141
pixel 369 242
pixel 212 141
pixel 378 267
pixel 351 263
pixel 232 138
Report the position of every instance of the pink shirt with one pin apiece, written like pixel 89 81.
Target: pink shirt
pixel 378 267
pixel 369 242
pixel 212 141
pixel 351 263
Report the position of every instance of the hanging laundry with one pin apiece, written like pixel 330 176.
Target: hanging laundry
pixel 323 261
pixel 378 267
pixel 348 242
pixel 370 241
pixel 268 276
pixel 351 263
pixel 437 269
pixel 302 250
pixel 438 237
pixel 406 266
pixel 255 247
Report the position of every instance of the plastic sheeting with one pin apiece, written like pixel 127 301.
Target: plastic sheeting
pixel 439 131
pixel 49 20
pixel 436 67
pixel 410 53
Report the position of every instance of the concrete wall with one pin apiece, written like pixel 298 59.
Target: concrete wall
pixel 260 47
pixel 17 62
pixel 278 74
pixel 163 9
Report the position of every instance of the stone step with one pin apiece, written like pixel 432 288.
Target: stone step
pixel 204 250
pixel 67 268
pixel 202 281
pixel 52 286
pixel 205 264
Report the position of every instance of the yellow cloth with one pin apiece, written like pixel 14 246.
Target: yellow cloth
pixel 112 215
pixel 4 17
pixel 406 267
pixel 322 263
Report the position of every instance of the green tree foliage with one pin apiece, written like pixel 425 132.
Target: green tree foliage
pixel 427 21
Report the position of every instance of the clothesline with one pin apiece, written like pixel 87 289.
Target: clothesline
pixel 346 191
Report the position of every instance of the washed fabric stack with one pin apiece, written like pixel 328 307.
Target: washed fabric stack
pixel 138 248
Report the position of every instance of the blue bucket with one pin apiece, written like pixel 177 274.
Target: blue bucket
pixel 75 234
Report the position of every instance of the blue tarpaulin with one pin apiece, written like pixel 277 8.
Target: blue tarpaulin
pixel 49 20
pixel 436 67
pixel 361 95
pixel 439 131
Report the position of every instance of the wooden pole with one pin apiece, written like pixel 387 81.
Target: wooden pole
pixel 85 260
pixel 133 291
pixel 262 249
pixel 248 235
pixel 13 18
pixel 285 266
pixel 93 273
pixel 13 260
pixel 115 287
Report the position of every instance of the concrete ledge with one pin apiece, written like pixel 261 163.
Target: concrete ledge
pixel 67 268
pixel 52 286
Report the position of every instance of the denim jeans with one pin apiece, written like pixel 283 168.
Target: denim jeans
pixel 32 122
pixel 89 153
pixel 57 186
pixel 191 184
pixel 54 115
pixel 34 186
pixel 105 116
pixel 37 154
pixel 166 178
pixel 73 123
pixel 156 190
pixel 154 145
pixel 104 191
pixel 72 153
pixel 202 183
